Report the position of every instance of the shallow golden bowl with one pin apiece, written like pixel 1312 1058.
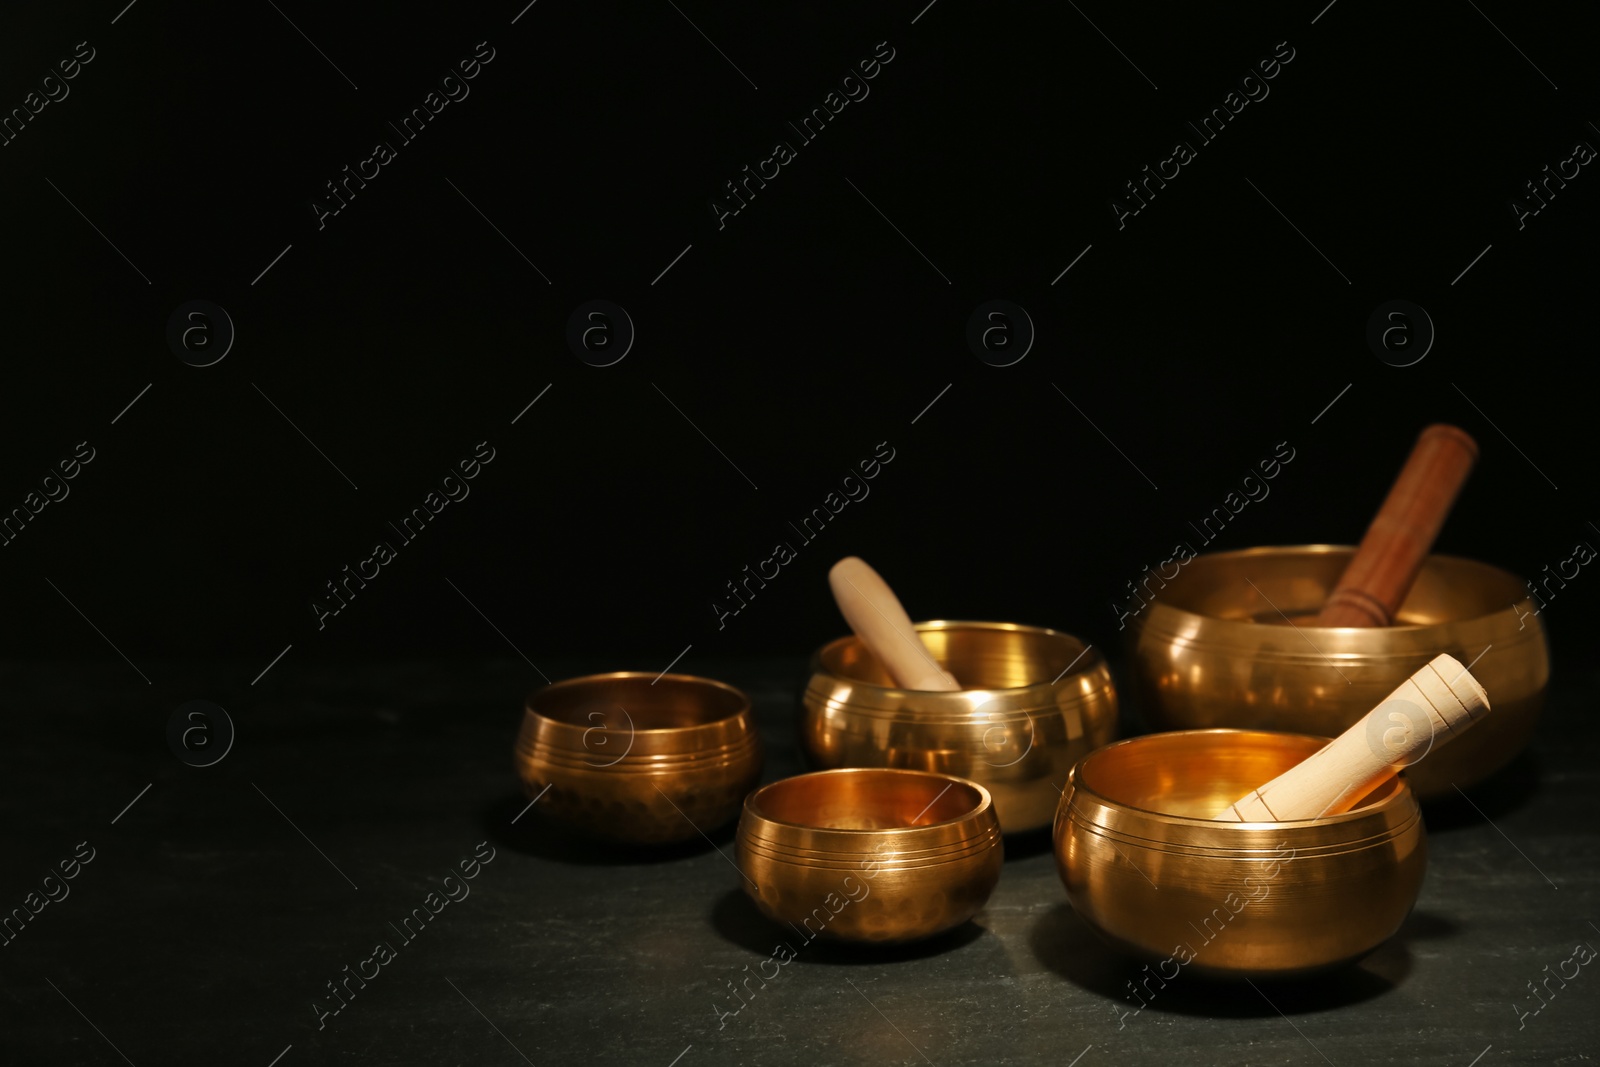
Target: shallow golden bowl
pixel 869 854
pixel 1211 649
pixel 636 758
pixel 1152 875
pixel 1036 701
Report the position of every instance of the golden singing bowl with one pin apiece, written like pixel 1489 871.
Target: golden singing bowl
pixel 1211 649
pixel 1036 701
pixel 1154 876
pixel 639 759
pixel 869 854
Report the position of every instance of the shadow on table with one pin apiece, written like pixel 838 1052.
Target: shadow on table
pixel 737 921
pixel 532 835
pixel 1064 943
pixel 1513 786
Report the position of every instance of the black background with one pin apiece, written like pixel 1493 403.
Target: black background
pixel 828 316
pixel 796 338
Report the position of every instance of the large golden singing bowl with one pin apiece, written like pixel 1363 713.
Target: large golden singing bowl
pixel 1035 702
pixel 1152 874
pixel 870 854
pixel 639 759
pixel 1212 649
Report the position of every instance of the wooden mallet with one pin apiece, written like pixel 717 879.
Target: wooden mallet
pixel 1379 575
pixel 875 614
pixel 1433 707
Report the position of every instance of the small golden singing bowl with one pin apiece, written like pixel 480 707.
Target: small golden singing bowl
pixel 1036 701
pixel 1152 874
pixel 639 759
pixel 1211 649
pixel 870 854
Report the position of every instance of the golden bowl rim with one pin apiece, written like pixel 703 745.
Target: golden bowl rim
pixel 1098 660
pixel 985 802
pixel 744 709
pixel 1326 548
pixel 1365 811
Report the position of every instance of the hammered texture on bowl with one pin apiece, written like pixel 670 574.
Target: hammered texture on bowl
pixel 639 759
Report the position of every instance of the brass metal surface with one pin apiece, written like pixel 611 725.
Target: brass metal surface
pixel 1212 649
pixel 635 758
pixel 1150 872
pixel 870 855
pixel 1033 702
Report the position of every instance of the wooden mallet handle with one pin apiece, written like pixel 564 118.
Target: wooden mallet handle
pixel 1402 533
pixel 1431 708
pixel 875 614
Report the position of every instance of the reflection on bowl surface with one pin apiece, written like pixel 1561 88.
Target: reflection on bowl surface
pixel 1148 869
pixel 637 758
pixel 1213 648
pixel 870 854
pixel 1033 702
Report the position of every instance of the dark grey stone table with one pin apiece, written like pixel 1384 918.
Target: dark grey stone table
pixel 217 905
